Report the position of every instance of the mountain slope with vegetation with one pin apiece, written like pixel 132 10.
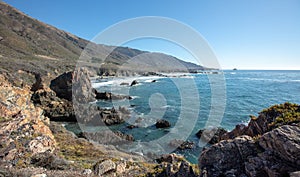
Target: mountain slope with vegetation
pixel 29 47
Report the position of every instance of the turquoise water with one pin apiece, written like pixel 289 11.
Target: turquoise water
pixel 183 98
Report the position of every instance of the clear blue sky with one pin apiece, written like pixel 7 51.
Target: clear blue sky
pixel 246 34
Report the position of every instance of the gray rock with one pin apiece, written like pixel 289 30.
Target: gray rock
pixel 104 167
pixel 227 157
pixel 284 141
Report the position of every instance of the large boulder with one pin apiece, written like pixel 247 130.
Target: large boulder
pixel 77 83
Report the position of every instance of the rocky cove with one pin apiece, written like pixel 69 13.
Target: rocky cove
pixel 34 142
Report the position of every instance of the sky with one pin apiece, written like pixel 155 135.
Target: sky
pixel 244 34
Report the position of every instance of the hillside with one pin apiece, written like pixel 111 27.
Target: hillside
pixel 28 47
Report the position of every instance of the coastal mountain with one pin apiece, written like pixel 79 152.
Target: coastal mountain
pixel 28 46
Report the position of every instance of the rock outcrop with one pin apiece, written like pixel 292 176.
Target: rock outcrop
pixel 212 136
pixel 24 131
pixel 173 165
pixel 281 153
pixel 273 149
pixel 227 157
pixel 267 120
pixel 55 108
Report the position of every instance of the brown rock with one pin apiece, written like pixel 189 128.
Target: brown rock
pixel 24 131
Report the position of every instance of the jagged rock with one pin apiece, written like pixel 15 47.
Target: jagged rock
pixel 135 82
pixel 175 166
pixel 181 144
pixel 55 108
pixel 1 38
pixel 285 141
pixel 281 153
pixel 212 136
pixel 267 120
pixel 104 167
pixel 161 123
pixel 24 131
pixel 38 83
pixel 185 169
pixel 227 155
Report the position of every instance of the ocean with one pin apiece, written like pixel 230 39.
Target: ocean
pixel 189 101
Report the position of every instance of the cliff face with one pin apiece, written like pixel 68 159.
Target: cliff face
pixel 24 131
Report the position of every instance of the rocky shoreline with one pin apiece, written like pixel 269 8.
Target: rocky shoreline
pixel 33 142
